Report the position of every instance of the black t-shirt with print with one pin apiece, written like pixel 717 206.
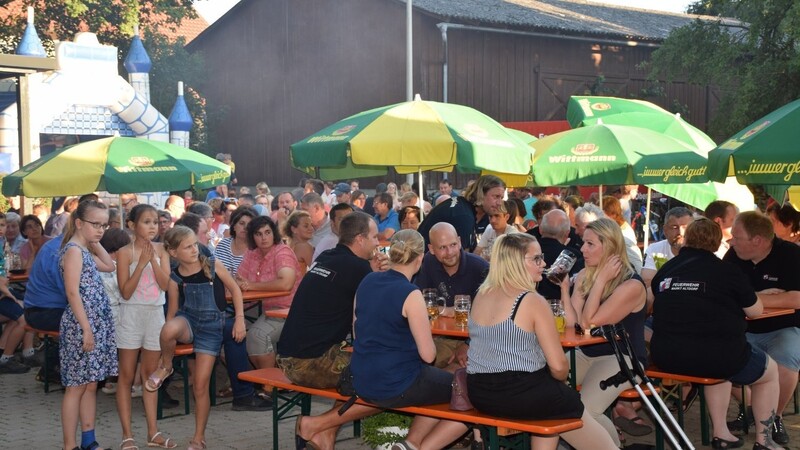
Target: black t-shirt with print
pixel 698 322
pixel 777 270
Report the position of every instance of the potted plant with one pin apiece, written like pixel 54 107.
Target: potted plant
pixel 382 430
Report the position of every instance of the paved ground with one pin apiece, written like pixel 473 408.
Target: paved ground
pixel 29 418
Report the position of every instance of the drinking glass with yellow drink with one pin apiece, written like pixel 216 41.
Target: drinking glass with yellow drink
pixel 461 305
pixel 558 314
pixel 431 303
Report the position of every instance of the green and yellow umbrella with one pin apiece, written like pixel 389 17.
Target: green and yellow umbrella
pixel 582 111
pixel 614 154
pixel 117 165
pixel 416 136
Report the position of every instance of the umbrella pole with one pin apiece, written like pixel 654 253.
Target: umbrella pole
pixel 600 194
pixel 421 198
pixel 647 219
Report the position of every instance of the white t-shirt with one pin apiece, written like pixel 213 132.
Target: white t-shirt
pixel 489 236
pixel 661 248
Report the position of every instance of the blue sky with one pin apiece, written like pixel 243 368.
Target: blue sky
pixel 211 10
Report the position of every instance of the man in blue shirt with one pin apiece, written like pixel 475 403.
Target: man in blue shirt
pixel 451 271
pixel 385 216
pixel 45 296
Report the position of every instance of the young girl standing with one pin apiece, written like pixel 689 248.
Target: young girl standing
pixel 88 351
pixel 143 277
pixel 198 286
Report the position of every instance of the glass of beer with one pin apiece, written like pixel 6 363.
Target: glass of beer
pixel 461 305
pixel 561 267
pixel 433 308
pixel 558 314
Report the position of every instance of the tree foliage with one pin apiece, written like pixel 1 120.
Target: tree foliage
pixel 753 62
pixel 111 20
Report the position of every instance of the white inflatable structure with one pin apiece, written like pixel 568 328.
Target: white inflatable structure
pixel 87 96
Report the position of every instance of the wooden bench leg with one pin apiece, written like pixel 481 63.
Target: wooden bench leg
pixel 282 405
pixel 47 367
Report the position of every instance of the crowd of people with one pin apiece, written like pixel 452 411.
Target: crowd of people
pixel 125 289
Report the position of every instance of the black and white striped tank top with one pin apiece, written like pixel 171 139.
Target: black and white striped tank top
pixel 503 347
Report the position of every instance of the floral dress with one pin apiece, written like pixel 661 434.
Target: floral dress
pixel 79 367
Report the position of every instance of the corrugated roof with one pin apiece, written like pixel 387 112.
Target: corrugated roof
pixel 563 17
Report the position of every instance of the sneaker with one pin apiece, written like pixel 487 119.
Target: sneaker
pixel 35 360
pixel 167 402
pixel 110 388
pixel 136 391
pixel 13 366
pixel 252 403
pixel 779 434
pixel 738 423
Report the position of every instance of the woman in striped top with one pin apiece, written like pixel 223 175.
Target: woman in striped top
pixel 230 251
pixel 516 367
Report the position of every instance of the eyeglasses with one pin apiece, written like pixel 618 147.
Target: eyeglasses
pixel 97 225
pixel 537 259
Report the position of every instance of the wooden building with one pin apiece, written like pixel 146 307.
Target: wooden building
pixel 283 69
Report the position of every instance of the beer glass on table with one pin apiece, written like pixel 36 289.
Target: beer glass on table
pixel 558 314
pixel 431 303
pixel 462 304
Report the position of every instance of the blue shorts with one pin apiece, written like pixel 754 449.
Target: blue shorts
pixel 753 370
pixel 781 345
pixel 205 330
pixel 9 308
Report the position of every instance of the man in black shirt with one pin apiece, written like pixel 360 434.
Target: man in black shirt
pixel 771 264
pixel 469 214
pixel 311 347
pixel 554 228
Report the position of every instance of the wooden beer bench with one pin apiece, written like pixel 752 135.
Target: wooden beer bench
pixel 50 338
pixel 678 379
pixel 301 396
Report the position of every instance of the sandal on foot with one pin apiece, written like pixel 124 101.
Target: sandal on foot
pixel 225 393
pixel 156 379
pixel 128 444
pixel 196 445
pixel 634 427
pixel 166 443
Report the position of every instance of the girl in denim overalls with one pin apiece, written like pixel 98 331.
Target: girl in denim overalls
pixel 198 285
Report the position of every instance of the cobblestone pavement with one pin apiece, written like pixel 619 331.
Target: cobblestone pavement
pixel 29 418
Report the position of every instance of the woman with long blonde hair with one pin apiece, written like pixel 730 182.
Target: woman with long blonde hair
pixel 607 291
pixel 515 366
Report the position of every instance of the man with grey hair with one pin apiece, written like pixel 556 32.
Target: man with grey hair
pixel 675 222
pixel 555 235
pixel 313 204
pixel 585 215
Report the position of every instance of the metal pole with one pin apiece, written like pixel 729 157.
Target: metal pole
pixel 647 219
pixel 410 66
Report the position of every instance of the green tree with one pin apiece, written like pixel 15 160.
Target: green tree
pixel 111 20
pixel 753 60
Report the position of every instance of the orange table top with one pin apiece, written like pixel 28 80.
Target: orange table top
pixel 446 326
pixel 254 296
pixel 18 277
pixel 773 312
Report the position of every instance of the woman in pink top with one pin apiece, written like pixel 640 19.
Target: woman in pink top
pixel 269 265
pixel 30 227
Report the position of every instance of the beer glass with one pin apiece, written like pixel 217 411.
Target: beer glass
pixel 561 267
pixel 461 304
pixel 558 314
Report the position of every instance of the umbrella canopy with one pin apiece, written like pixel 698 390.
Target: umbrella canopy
pixel 583 111
pixel 413 136
pixel 117 165
pixel 614 154
pixel 701 195
pixel 765 152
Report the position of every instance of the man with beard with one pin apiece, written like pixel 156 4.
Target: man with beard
pixel 451 271
pixel 675 222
